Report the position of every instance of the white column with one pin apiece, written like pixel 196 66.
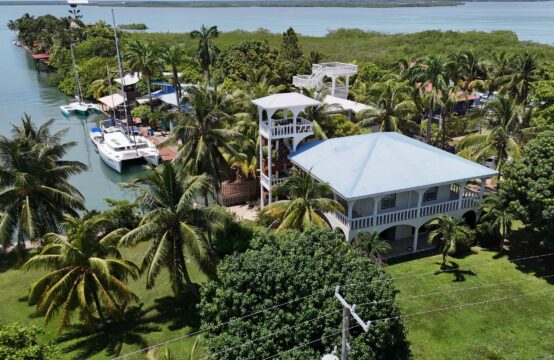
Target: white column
pixel 350 207
pixel 419 201
pixel 416 236
pixel 333 81
pixel 347 85
pixel 269 174
pixel 482 190
pixel 261 172
pixel 461 194
pixel 375 207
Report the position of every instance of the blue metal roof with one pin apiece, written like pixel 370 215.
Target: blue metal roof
pixel 380 163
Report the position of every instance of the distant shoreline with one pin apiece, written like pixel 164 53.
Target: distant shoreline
pixel 263 3
pixel 250 3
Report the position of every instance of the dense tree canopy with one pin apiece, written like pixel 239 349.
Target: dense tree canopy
pixel 18 342
pixel 529 185
pixel 290 267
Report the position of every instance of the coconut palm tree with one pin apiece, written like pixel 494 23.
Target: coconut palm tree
pixel 86 272
pixel 203 136
pixel 502 140
pixel 497 217
pixel 372 246
pixel 143 58
pixel 35 192
pixel 431 76
pixel 305 205
pixel 523 72
pixel 453 235
pixel 175 227
pixel 173 56
pixel 319 115
pixel 207 52
pixel 391 107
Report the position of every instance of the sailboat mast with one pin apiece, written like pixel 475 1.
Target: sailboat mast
pixel 110 87
pixel 76 73
pixel 120 67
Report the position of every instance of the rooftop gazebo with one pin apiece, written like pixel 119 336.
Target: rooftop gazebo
pixel 281 129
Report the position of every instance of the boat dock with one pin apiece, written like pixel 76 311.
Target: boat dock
pixel 167 153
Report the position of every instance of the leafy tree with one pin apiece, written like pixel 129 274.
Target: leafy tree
pixel 290 47
pixel 143 58
pixel 35 192
pixel 174 226
pixel 203 136
pixel 453 235
pixel 503 139
pixel 301 270
pixel 122 213
pixel 319 115
pixel 305 205
pixel 87 272
pixel 18 342
pixel 523 72
pixel 529 186
pixel 173 56
pixel 497 217
pixel 207 51
pixel 431 73
pixel 391 106
pixel 372 246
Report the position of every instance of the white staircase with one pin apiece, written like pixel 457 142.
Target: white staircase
pixel 331 70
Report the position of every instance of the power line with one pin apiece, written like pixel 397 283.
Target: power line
pixel 416 314
pixel 488 263
pixel 371 303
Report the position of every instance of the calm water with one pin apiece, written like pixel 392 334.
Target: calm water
pixel 23 89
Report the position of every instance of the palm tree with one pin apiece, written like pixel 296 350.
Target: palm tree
pixel 204 138
pixel 305 205
pixel 34 189
pixel 207 52
pixel 87 272
pixel 502 140
pixel 453 235
pixel 175 227
pixel 392 106
pixel 173 56
pixel 143 58
pixel 523 71
pixel 319 115
pixel 371 245
pixel 497 217
pixel 431 75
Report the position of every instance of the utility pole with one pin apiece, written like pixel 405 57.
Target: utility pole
pixel 348 310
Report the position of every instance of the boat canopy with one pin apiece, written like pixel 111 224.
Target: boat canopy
pixel 129 79
pixel 112 101
pixel 96 130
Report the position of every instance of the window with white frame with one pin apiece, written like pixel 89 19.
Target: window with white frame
pixel 388 201
pixel 431 194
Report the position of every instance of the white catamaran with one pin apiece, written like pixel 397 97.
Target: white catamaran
pixel 116 141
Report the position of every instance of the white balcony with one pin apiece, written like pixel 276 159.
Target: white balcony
pixel 470 200
pixel 274 181
pixel 285 128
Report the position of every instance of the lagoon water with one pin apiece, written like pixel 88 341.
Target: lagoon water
pixel 23 89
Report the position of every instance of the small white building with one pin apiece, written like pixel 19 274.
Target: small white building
pixel 392 184
pixel 331 70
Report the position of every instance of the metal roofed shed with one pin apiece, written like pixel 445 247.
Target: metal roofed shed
pixel 337 104
pixel 381 163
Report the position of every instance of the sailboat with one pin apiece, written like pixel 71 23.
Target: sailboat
pixel 78 106
pixel 118 142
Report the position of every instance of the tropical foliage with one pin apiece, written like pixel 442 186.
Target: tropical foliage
pixel 453 235
pixel 87 273
pixel 301 270
pixel 305 204
pixel 177 230
pixel 35 192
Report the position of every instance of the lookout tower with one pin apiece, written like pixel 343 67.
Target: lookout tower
pixel 333 70
pixel 281 129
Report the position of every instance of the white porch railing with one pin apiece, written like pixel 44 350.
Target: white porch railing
pixel 471 202
pixel 343 219
pixel 284 128
pixel 274 181
pixel 444 207
pixel 361 222
pixel 396 216
pixel 265 180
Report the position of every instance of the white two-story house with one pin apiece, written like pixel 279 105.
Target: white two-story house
pixel 392 184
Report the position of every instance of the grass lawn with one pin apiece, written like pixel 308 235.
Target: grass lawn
pixel 519 328
pixel 161 318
